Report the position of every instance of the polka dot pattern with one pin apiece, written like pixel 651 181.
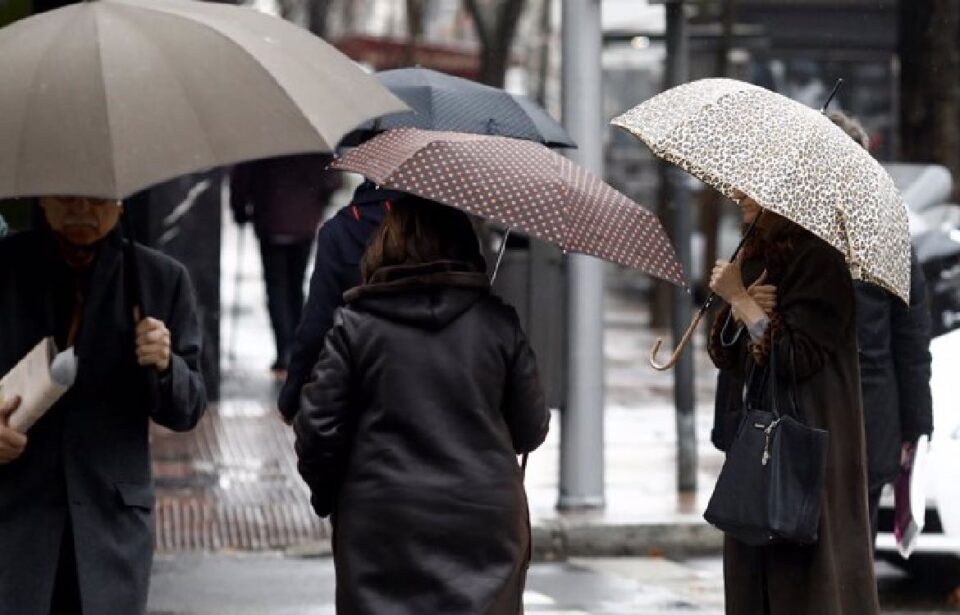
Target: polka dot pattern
pixel 522 185
pixel 792 160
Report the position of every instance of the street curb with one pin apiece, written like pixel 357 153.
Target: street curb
pixel 559 539
pixel 309 550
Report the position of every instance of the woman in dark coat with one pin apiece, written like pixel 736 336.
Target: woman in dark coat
pixel 812 330
pixel 424 393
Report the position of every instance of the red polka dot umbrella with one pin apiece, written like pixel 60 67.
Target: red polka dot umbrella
pixel 523 185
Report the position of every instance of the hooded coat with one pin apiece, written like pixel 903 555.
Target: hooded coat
pixel 813 331
pixel 87 461
pixel 424 393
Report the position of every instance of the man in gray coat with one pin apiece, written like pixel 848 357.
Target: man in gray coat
pixel 76 491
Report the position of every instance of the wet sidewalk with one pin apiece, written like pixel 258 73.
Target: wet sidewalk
pixel 232 484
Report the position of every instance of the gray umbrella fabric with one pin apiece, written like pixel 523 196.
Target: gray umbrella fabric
pixel 522 185
pixel 444 102
pixel 107 97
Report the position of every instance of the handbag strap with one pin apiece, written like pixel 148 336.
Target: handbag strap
pixel 797 409
pixel 769 383
pixel 793 404
pixel 761 379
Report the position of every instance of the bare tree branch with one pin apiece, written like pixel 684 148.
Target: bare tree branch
pixel 495 29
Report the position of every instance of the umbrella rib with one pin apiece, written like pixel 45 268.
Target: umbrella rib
pixel 21 140
pixel 216 30
pixel 106 105
pixel 173 74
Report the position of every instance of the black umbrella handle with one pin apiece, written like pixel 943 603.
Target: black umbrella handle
pixel 713 296
pixel 833 92
pixel 134 294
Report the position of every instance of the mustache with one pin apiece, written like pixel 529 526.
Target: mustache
pixel 81 221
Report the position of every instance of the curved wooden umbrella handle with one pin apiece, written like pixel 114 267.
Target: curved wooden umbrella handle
pixel 684 341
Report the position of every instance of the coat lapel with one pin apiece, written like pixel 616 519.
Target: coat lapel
pixel 105 338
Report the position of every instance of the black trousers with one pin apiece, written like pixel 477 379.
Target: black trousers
pixel 66 587
pixel 284 266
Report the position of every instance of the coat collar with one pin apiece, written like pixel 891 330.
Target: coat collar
pixel 405 278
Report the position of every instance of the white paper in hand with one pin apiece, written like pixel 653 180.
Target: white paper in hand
pixel 910 495
pixel 39 380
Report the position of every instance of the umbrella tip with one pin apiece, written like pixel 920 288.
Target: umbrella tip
pixel 833 92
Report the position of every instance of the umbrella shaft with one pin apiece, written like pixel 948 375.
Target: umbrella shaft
pixel 503 248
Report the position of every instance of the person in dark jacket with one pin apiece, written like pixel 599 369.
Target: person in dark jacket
pixel 895 360
pixel 340 245
pixel 76 491
pixel 285 198
pixel 895 377
pixel 425 391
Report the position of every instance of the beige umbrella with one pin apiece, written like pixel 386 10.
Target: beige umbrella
pixel 106 97
pixel 789 158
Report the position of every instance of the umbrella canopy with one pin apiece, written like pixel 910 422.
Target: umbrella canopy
pixel 107 97
pixel 522 185
pixel 444 102
pixel 789 158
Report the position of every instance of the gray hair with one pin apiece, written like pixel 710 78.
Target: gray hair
pixel 851 126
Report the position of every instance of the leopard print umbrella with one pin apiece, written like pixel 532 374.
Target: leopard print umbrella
pixel 789 158
pixel 522 185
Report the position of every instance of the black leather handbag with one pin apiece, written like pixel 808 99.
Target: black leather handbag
pixel 771 485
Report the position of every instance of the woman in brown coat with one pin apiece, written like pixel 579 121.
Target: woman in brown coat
pixel 808 319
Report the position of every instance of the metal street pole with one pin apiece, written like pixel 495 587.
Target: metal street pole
pixel 581 430
pixel 678 198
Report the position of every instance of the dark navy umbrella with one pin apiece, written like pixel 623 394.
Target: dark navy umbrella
pixel 444 102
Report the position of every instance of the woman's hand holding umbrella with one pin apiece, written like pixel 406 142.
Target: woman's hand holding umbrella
pixel 764 294
pixel 727 282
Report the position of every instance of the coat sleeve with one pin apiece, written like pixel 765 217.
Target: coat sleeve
pixel 910 347
pixel 324 426
pixel 815 313
pixel 524 404
pixel 182 397
pixel 325 296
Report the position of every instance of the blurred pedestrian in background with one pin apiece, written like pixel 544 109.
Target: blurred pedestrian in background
pixel 809 322
pixel 425 391
pixel 340 246
pixel 4 229
pixel 284 198
pixel 894 341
